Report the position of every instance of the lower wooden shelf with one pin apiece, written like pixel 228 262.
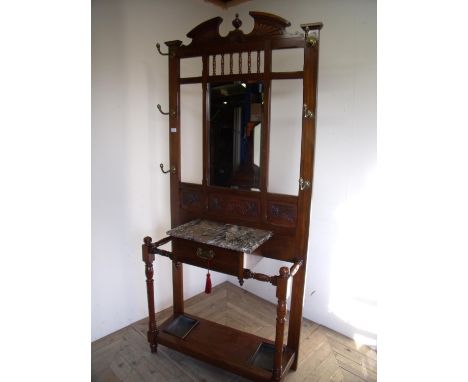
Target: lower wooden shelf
pixel 222 346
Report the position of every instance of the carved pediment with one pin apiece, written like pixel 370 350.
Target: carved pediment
pixel 265 24
pixel 268 24
pixel 208 30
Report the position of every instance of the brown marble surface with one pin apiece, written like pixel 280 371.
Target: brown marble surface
pixel 235 237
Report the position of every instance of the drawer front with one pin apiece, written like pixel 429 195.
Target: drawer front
pixel 224 260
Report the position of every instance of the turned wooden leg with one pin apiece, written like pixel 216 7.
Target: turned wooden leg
pixel 281 289
pixel 148 258
pixel 295 314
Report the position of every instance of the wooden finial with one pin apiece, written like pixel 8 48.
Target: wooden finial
pixel 284 271
pixel 237 22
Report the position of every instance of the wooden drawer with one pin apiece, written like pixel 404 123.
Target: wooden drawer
pixel 224 260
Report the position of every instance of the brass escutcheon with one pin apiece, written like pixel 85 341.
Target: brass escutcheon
pixel 205 254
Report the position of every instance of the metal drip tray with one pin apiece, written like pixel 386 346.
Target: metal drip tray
pixel 181 326
pixel 264 356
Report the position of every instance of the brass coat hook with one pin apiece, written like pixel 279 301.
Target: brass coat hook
pixel 158 47
pixel 310 39
pixel 171 113
pixel 303 184
pixel 307 112
pixel 172 170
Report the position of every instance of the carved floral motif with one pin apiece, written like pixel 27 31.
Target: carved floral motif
pixel 235 206
pixel 191 199
pixel 282 214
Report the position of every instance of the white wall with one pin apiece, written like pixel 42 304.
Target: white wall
pixel 131 198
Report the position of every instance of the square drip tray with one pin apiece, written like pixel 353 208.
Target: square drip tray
pixel 181 326
pixel 264 356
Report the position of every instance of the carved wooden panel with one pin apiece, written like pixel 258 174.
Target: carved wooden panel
pixel 191 199
pixel 234 206
pixel 284 214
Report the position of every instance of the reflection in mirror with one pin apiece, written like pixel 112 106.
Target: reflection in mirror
pixel 235 134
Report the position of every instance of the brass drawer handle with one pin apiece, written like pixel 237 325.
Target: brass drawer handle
pixel 205 254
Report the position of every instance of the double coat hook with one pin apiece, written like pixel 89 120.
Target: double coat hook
pixel 172 113
pixel 158 47
pixel 172 170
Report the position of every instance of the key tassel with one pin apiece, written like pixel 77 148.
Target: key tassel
pixel 208 283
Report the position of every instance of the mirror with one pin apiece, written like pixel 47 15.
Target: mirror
pixel 236 111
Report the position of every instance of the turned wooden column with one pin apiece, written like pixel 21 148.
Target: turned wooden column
pixel 281 289
pixel 148 258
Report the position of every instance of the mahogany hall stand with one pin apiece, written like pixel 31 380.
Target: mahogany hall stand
pixel 217 224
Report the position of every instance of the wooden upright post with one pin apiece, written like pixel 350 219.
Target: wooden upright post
pixel 153 330
pixel 174 156
pixel 307 173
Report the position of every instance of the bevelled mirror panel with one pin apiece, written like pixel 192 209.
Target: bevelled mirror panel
pixel 285 136
pixel 287 60
pixel 236 113
pixel 191 67
pixel 191 133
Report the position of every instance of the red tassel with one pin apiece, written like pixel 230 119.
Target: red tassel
pixel 208 283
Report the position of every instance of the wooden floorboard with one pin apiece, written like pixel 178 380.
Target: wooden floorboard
pixel 325 355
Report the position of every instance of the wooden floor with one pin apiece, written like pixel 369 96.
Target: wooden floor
pixel 324 354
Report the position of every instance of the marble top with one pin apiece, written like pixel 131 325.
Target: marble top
pixel 234 237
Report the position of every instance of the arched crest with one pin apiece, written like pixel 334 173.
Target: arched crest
pixel 265 24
